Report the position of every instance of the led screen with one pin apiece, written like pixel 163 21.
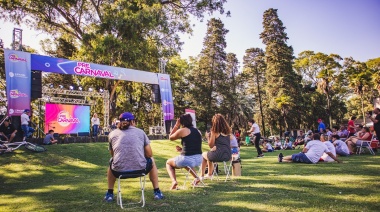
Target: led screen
pixel 67 119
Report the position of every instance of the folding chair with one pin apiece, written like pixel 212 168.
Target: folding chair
pixel 187 173
pixel 227 170
pixel 135 174
pixel 366 144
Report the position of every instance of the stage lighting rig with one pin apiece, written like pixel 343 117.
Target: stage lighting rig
pixel 61 86
pixel 80 88
pixel 71 87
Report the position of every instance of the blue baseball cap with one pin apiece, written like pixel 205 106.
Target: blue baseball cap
pixel 26 110
pixel 126 116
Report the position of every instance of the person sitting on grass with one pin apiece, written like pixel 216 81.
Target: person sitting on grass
pixel 191 151
pixel 354 141
pixel 49 138
pixel 300 139
pixel 325 157
pixel 310 154
pixel 277 144
pixel 340 146
pixel 287 144
pixel 131 152
pixel 267 147
pixel 7 131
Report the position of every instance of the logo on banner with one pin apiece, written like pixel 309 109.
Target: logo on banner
pixel 165 103
pixel 167 114
pixel 85 69
pixel 163 78
pixel 164 90
pixel 64 119
pixel 11 74
pixel 15 58
pixel 14 94
pixel 11 111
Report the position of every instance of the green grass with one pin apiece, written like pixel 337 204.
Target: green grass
pixel 72 177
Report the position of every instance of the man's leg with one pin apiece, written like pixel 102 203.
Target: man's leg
pixel 287 159
pixel 153 176
pixel 111 179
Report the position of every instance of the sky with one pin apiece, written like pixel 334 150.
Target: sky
pixel 344 27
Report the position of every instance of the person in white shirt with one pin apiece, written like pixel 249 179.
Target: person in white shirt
pixel 255 131
pixel 325 157
pixel 28 131
pixel 311 153
pixel 267 147
pixel 341 146
pixel 277 144
pixel 95 124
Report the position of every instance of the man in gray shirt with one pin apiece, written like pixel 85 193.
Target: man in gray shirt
pixel 131 151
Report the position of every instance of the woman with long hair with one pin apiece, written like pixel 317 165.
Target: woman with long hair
pixel 219 142
pixel 191 151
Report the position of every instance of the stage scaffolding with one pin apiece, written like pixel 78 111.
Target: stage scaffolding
pixel 48 95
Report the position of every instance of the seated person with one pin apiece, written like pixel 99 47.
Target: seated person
pixel 49 139
pixel 219 137
pixel 325 157
pixel 191 151
pixel 328 133
pixel 300 140
pixel 287 144
pixel 343 133
pixel 130 150
pixel 7 131
pixel 311 153
pixel 235 150
pixel 267 147
pixel 354 141
pixel 237 136
pixel 277 144
pixel 340 146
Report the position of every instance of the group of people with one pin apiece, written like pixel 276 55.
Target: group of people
pixel 8 131
pixel 130 150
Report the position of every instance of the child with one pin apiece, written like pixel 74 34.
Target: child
pixel 277 144
pixel 288 144
pixel 49 139
pixel 267 147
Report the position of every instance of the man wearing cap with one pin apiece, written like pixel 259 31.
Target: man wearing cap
pixel 25 124
pixel 321 126
pixel 131 151
pixel 7 131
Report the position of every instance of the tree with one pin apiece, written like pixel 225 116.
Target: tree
pixel 254 69
pixel 208 76
pixel 282 83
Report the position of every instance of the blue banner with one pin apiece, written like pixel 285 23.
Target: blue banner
pixel 65 66
pixel 166 96
pixel 18 77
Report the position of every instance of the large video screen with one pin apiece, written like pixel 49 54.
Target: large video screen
pixel 67 119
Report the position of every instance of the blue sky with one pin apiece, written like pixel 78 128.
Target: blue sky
pixel 344 27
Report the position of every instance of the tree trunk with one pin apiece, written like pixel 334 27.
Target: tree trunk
pixel 261 107
pixel 361 99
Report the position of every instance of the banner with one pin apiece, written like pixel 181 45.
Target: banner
pixel 65 66
pixel 18 77
pixel 192 114
pixel 166 96
pixel 67 119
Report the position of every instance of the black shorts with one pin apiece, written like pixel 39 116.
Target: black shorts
pixel 148 168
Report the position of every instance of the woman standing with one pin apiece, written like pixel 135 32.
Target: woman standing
pixel 219 142
pixel 255 131
pixel 191 151
pixel 95 122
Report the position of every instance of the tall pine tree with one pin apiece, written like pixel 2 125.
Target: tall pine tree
pixel 283 84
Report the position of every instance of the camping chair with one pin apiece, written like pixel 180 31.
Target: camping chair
pixel 366 144
pixel 134 174
pixel 187 173
pixel 227 170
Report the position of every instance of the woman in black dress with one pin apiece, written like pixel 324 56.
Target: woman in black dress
pixel 219 142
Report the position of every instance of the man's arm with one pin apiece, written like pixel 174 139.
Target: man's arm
pixel 148 151
pixel 110 149
pixel 333 157
pixel 304 150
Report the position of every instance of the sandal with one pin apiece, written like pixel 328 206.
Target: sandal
pixel 174 186
pixel 195 182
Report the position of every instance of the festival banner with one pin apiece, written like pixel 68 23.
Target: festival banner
pixel 166 96
pixel 18 77
pixel 67 119
pixel 65 66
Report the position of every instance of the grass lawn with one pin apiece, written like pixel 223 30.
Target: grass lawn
pixel 72 177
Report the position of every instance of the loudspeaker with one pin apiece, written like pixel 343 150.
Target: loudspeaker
pixel 36 91
pixel 156 95
pixel 169 124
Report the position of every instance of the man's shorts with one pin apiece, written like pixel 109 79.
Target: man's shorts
pixel 148 168
pixel 235 150
pixel 300 158
pixel 270 150
pixel 191 161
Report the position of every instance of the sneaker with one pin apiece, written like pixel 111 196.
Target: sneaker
pixel 206 177
pixel 158 195
pixel 260 156
pixel 108 197
pixel 280 156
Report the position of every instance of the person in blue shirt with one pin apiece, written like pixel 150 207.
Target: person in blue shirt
pixel 321 126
